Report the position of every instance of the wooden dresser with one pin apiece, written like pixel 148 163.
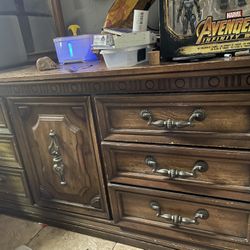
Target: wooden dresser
pixel 153 156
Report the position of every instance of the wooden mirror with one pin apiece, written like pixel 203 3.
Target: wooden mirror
pixel 58 17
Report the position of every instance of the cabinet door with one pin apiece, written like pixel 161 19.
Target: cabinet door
pixel 58 143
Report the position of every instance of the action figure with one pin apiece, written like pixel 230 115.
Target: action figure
pixel 224 3
pixel 188 17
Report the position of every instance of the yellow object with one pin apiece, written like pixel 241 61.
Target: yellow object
pixel 121 13
pixel 74 28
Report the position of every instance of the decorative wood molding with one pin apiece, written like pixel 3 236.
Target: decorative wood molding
pixel 78 86
pixel 45 193
pixel 96 202
pixel 24 111
pixel 79 111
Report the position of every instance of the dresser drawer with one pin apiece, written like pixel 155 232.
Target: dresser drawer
pixel 8 152
pixel 221 120
pixel 4 124
pixel 213 222
pixel 220 173
pixel 13 185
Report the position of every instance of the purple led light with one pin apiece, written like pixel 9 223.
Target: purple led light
pixel 74 49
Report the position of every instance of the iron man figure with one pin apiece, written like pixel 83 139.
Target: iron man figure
pixel 188 15
pixel 224 3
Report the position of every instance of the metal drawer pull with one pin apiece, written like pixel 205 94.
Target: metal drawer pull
pixel 177 219
pixel 200 166
pixel 197 115
pixel 54 151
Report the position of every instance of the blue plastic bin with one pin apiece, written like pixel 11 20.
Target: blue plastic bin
pixel 74 49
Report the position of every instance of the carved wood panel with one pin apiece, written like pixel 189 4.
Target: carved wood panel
pixel 224 224
pixel 61 153
pixel 70 142
pixel 223 119
pixel 9 156
pixel 13 187
pixel 2 119
pixel 217 81
pixel 222 173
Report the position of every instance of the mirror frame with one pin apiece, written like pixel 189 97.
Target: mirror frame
pixel 58 17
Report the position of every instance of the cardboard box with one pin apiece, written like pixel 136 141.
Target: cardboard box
pixel 202 27
pixel 117 58
pixel 124 40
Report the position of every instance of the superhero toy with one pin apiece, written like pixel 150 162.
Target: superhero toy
pixel 195 29
pixel 186 10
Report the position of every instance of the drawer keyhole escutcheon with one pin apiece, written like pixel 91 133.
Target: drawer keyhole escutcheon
pixel 199 166
pixel 197 115
pixel 175 219
pixel 54 151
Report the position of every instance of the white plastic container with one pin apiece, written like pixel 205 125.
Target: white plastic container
pixel 117 58
pixel 74 49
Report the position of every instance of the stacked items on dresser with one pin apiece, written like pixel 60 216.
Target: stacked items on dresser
pixel 125 47
pixel 121 48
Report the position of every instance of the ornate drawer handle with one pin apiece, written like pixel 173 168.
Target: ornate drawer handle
pixel 197 115
pixel 54 151
pixel 177 219
pixel 199 166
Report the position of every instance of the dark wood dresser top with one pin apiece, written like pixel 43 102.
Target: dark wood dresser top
pixel 97 70
pixel 217 74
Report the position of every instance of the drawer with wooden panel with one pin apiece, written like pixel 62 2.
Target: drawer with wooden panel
pixel 220 173
pixel 4 123
pixel 13 186
pixel 214 223
pixel 9 156
pixel 221 120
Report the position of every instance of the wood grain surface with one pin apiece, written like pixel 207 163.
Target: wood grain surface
pixel 71 120
pixel 226 122
pixel 99 69
pixel 226 226
pixel 103 142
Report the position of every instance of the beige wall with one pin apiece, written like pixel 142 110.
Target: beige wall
pixel 90 14
pixel 12 50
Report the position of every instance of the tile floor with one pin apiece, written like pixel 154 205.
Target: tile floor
pixel 18 234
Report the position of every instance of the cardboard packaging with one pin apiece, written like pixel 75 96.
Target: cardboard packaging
pixel 192 28
pixel 124 40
